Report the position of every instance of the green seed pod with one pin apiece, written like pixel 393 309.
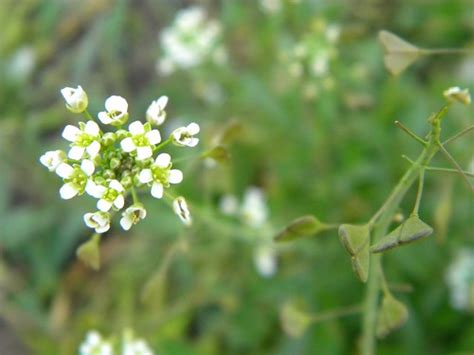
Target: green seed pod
pixel 356 241
pixel 409 231
pixel 89 253
pixel 294 321
pixel 392 315
pixel 299 228
pixel 218 153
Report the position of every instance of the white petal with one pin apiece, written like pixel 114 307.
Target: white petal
pixel 88 221
pixel 92 128
pixel 145 176
pixel 93 148
pixel 175 176
pixel 153 136
pixel 88 167
pixel 128 145
pixel 65 170
pixel 103 229
pixel 116 185
pixel 136 128
pixel 116 103
pixel 162 101
pixel 104 117
pixel 104 205
pixel 68 191
pixel 119 201
pixel 163 160
pixel 157 190
pixel 144 152
pixel 70 133
pixel 95 190
pixel 126 222
pixel 193 128
pixel 76 152
pixel 192 142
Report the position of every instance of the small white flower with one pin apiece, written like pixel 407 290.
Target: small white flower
pixel 460 279
pixel 117 111
pixel 76 99
pixel 156 114
pixel 99 220
pixel 265 260
pixel 132 215
pixel 180 207
pixel 83 139
pixel 52 159
pixel 94 344
pixel 229 205
pixel 76 178
pixel 184 136
pixel 160 175
pixel 254 209
pixel 142 140
pixel 456 94
pixel 111 196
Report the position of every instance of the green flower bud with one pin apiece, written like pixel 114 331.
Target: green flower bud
pixel 109 138
pixel 109 174
pixel 127 181
pixel 121 134
pixel 114 163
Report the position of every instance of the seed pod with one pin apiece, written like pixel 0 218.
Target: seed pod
pixel 392 315
pixel 301 227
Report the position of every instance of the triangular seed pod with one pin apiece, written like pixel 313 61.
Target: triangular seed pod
pixel 354 237
pixel 301 227
pixel 392 315
pixel 399 54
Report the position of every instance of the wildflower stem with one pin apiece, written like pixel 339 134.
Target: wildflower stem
pixel 336 313
pixel 88 115
pixel 410 133
pixel 134 195
pixel 456 165
pixel 458 135
pixel 448 51
pixel 421 181
pixel 162 144
pixel 447 170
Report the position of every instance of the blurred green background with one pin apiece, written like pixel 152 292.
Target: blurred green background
pixel 314 144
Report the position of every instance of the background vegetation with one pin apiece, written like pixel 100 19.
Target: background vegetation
pixel 332 151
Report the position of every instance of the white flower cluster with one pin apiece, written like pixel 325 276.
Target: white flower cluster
pixel 460 279
pixel 191 40
pixel 254 213
pixel 95 344
pixel 111 165
pixel 310 58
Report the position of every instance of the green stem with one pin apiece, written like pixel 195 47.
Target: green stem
pixel 336 313
pixel 456 165
pixel 88 115
pixel 162 144
pixel 421 181
pixel 386 214
pixel 458 135
pixel 448 51
pixel 410 133
pixel 134 195
pixel 447 170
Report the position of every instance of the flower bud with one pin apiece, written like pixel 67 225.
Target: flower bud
pixel 127 181
pixel 109 138
pixel 76 99
pixel 114 163
pixel 456 94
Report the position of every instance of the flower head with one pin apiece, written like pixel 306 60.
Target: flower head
pixel 456 94
pixel 94 344
pixel 117 111
pixel 99 220
pixel 52 159
pixel 265 260
pixel 160 175
pixel 180 207
pixel 184 136
pixel 132 215
pixel 84 139
pixel 76 178
pixel 156 114
pixel 142 140
pixel 76 99
pixel 254 209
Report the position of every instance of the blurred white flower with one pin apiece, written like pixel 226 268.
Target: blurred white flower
pixel 132 215
pixel 52 159
pixel 76 99
pixel 189 41
pixel 142 140
pixel 156 114
pixel 21 64
pixel 84 139
pixel 184 136
pixel 254 209
pixel 460 280
pixel 265 259
pixel 455 93
pixel 94 344
pixel 100 221
pixel 160 175
pixel 117 111
pixel 229 205
pixel 271 6
pixel 180 207
pixel 134 346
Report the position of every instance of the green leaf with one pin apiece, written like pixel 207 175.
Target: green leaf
pixel 409 231
pixel 392 315
pixel 299 228
pixel 89 252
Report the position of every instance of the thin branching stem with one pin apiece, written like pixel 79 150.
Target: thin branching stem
pixel 336 313
pixel 456 165
pixel 411 133
pixel 458 135
pixel 421 181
